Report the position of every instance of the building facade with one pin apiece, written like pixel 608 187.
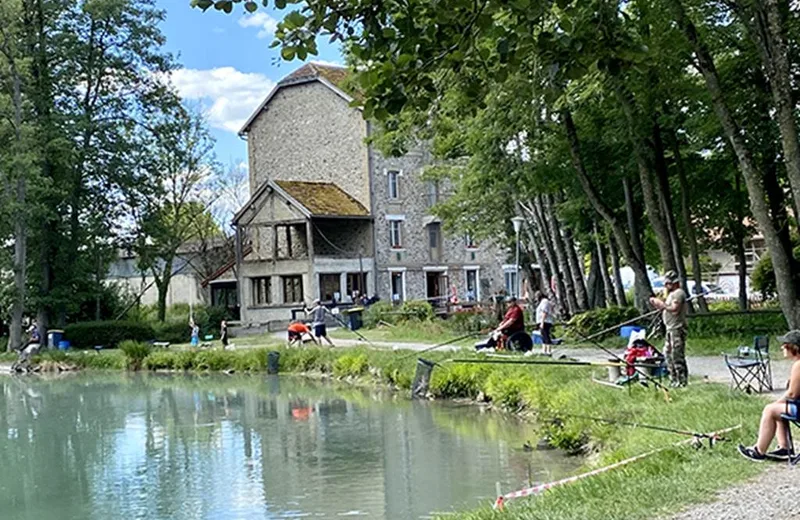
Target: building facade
pixel 330 216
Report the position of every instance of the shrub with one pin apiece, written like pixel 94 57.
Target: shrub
pixel 377 312
pixel 744 323
pixel 416 311
pixel 593 321
pixel 172 331
pixel 353 365
pixel 465 322
pixel 136 352
pixel 106 333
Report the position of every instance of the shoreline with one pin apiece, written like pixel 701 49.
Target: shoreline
pixel 681 476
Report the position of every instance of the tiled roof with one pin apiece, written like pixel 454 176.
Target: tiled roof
pixel 336 75
pixel 323 199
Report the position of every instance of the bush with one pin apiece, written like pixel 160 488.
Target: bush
pixel 464 322
pixel 106 333
pixel 377 312
pixel 136 352
pixel 592 322
pixel 416 311
pixel 172 331
pixel 739 324
pixel 352 365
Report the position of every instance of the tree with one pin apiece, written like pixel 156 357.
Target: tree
pixel 175 212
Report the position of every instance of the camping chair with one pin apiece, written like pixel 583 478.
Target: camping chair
pixel 751 368
pixel 789 420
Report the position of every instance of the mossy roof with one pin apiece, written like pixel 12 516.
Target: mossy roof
pixel 323 199
pixel 336 75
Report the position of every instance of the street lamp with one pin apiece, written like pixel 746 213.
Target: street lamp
pixel 517 221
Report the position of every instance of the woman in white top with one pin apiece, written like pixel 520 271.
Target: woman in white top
pixel 544 318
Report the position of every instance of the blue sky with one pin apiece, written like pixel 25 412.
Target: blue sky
pixel 228 67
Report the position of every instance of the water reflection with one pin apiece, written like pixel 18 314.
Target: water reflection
pixel 158 447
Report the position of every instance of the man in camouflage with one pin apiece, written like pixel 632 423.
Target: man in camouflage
pixel 674 316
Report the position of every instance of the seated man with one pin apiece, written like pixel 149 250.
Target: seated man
pixel 513 322
pixel 771 422
pixel 297 331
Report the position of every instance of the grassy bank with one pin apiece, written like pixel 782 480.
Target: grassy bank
pixel 663 483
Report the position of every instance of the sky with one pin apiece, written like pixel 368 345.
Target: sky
pixel 228 67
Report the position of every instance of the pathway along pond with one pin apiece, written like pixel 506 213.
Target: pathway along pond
pixel 98 446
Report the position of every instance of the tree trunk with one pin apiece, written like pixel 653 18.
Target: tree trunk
pixel 765 23
pixel 631 212
pixel 162 281
pixel 741 259
pixel 593 283
pixel 619 290
pixel 544 269
pixel 665 198
pixel 644 162
pixel 547 246
pixel 561 255
pixel 782 260
pixel 575 268
pixel 642 288
pixel 601 258
pixel 686 216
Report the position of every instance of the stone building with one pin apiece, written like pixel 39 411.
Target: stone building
pixel 329 215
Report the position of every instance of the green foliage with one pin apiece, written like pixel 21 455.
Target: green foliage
pixel 418 311
pixel 739 324
pixel 136 352
pixel 109 334
pixel 594 321
pixel 378 312
pixel 351 365
pixel 763 278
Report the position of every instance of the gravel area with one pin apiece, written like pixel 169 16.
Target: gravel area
pixel 771 495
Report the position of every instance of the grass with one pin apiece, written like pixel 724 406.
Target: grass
pixel 426 332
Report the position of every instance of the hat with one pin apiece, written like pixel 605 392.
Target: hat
pixel 316 301
pixel 510 299
pixel 670 277
pixel 792 337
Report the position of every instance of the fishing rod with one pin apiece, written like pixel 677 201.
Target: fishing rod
pixel 440 345
pixel 697 435
pixel 553 363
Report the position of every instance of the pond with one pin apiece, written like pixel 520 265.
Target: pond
pixel 99 446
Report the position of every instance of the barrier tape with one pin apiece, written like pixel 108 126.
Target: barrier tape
pixel 499 503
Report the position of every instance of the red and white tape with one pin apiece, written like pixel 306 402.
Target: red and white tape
pixel 544 487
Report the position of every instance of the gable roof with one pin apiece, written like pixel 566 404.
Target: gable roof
pixel 312 199
pixel 331 76
pixel 323 199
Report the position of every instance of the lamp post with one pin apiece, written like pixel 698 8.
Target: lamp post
pixel 517 221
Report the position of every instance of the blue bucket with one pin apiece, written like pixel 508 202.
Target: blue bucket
pixel 63 345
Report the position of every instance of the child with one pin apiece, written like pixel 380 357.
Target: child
pixel 296 331
pixel 195 333
pixel 223 333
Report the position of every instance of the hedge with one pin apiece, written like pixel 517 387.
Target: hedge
pixel 109 334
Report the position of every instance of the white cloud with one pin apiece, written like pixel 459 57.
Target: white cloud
pixel 227 95
pixel 263 21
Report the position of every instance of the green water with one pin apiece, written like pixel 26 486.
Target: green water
pixel 114 446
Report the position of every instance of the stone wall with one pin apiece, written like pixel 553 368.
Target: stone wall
pixel 307 132
pixel 414 256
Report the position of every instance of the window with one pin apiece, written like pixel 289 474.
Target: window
pixel 395 234
pixel 394 184
pixel 330 287
pixel 398 289
pixel 510 278
pixel 434 242
pixel 469 242
pixel 261 288
pixel 293 289
pixel 472 284
pixel 433 193
pixel 356 282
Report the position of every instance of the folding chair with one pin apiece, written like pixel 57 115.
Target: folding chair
pixel 751 368
pixel 789 420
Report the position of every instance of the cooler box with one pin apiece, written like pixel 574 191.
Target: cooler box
pixel 625 332
pixel 54 338
pixel 63 345
pixel 537 338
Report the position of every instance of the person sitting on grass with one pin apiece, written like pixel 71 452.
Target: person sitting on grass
pixel 297 331
pixel 771 417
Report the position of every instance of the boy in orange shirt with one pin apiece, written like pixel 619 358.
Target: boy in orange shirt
pixel 296 331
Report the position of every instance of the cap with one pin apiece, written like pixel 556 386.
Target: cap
pixel 511 299
pixel 316 301
pixel 670 277
pixel 792 337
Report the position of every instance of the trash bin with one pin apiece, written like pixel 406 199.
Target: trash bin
pixel 355 318
pixel 54 337
pixel 273 357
